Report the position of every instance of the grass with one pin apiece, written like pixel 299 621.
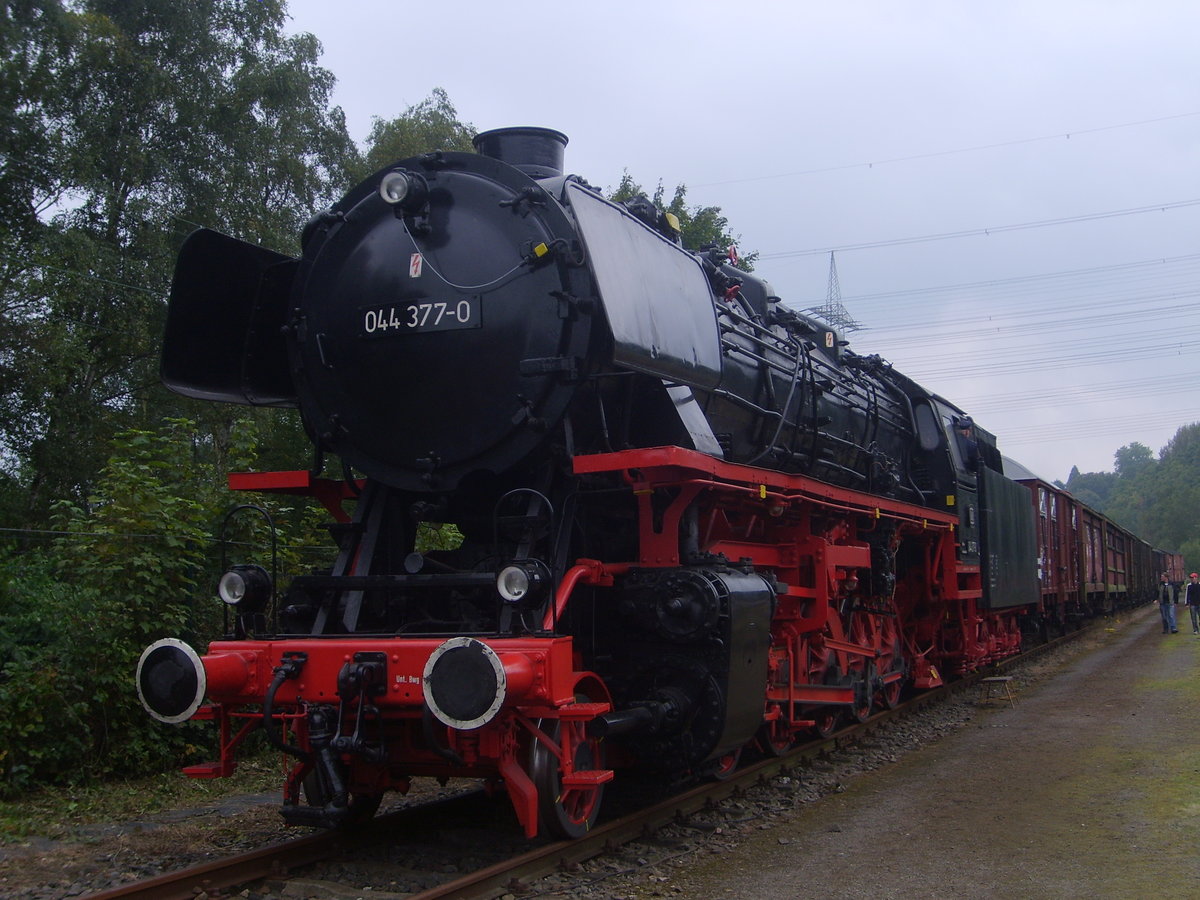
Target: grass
pixel 54 811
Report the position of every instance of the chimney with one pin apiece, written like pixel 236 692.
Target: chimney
pixel 538 152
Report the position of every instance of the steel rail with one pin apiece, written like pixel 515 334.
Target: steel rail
pixel 273 861
pixel 516 873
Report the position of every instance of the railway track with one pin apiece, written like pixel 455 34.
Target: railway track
pixel 513 868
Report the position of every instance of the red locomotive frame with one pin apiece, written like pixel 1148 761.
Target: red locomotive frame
pixel 657 607
pixel 833 652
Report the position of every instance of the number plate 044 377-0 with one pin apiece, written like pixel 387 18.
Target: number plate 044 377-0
pixel 409 316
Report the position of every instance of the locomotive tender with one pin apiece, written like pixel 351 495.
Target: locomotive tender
pixel 693 520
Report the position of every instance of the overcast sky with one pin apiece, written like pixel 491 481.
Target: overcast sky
pixel 1012 189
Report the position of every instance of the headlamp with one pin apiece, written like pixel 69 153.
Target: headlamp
pixel 523 581
pixel 403 189
pixel 245 588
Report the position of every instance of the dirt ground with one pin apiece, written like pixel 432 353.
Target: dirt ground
pixel 1089 787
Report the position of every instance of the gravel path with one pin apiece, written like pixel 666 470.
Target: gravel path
pixel 1089 787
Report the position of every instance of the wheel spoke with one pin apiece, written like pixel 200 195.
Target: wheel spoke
pixel 566 811
pixel 724 766
pixel 775 738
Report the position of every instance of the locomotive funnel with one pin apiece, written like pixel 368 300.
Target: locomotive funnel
pixel 538 152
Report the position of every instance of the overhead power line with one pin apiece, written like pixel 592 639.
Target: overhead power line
pixel 1045 358
pixel 972 286
pixel 1054 322
pixel 986 231
pixel 1159 385
pixel 1038 434
pixel 1066 135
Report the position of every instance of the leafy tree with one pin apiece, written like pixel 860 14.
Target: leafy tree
pixel 42 732
pixel 1156 499
pixel 700 226
pixel 1089 498
pixel 164 114
pixel 1093 488
pixel 126 122
pixel 77 617
pixel 1184 448
pixel 1172 488
pixel 34 37
pixel 432 124
pixel 1132 459
pixel 1191 553
pixel 137 562
pixel 1131 502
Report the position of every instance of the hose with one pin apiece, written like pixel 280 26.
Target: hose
pixel 290 668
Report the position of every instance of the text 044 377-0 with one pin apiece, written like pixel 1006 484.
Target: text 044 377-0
pixel 421 315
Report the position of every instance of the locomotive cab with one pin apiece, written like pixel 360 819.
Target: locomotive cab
pixel 995 533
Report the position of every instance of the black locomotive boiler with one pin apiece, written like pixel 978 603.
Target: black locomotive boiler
pixel 693 520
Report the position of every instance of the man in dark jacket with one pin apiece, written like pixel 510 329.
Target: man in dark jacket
pixel 1166 604
pixel 1193 601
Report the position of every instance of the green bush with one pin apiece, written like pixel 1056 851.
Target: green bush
pixel 41 716
pixel 76 617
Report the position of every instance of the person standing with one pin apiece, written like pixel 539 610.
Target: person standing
pixel 1192 598
pixel 1166 604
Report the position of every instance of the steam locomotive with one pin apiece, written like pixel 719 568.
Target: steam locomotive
pixel 693 520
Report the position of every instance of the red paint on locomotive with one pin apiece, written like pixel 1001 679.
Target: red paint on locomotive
pixel 795 535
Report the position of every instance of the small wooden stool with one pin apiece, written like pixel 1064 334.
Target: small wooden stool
pixel 996 682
